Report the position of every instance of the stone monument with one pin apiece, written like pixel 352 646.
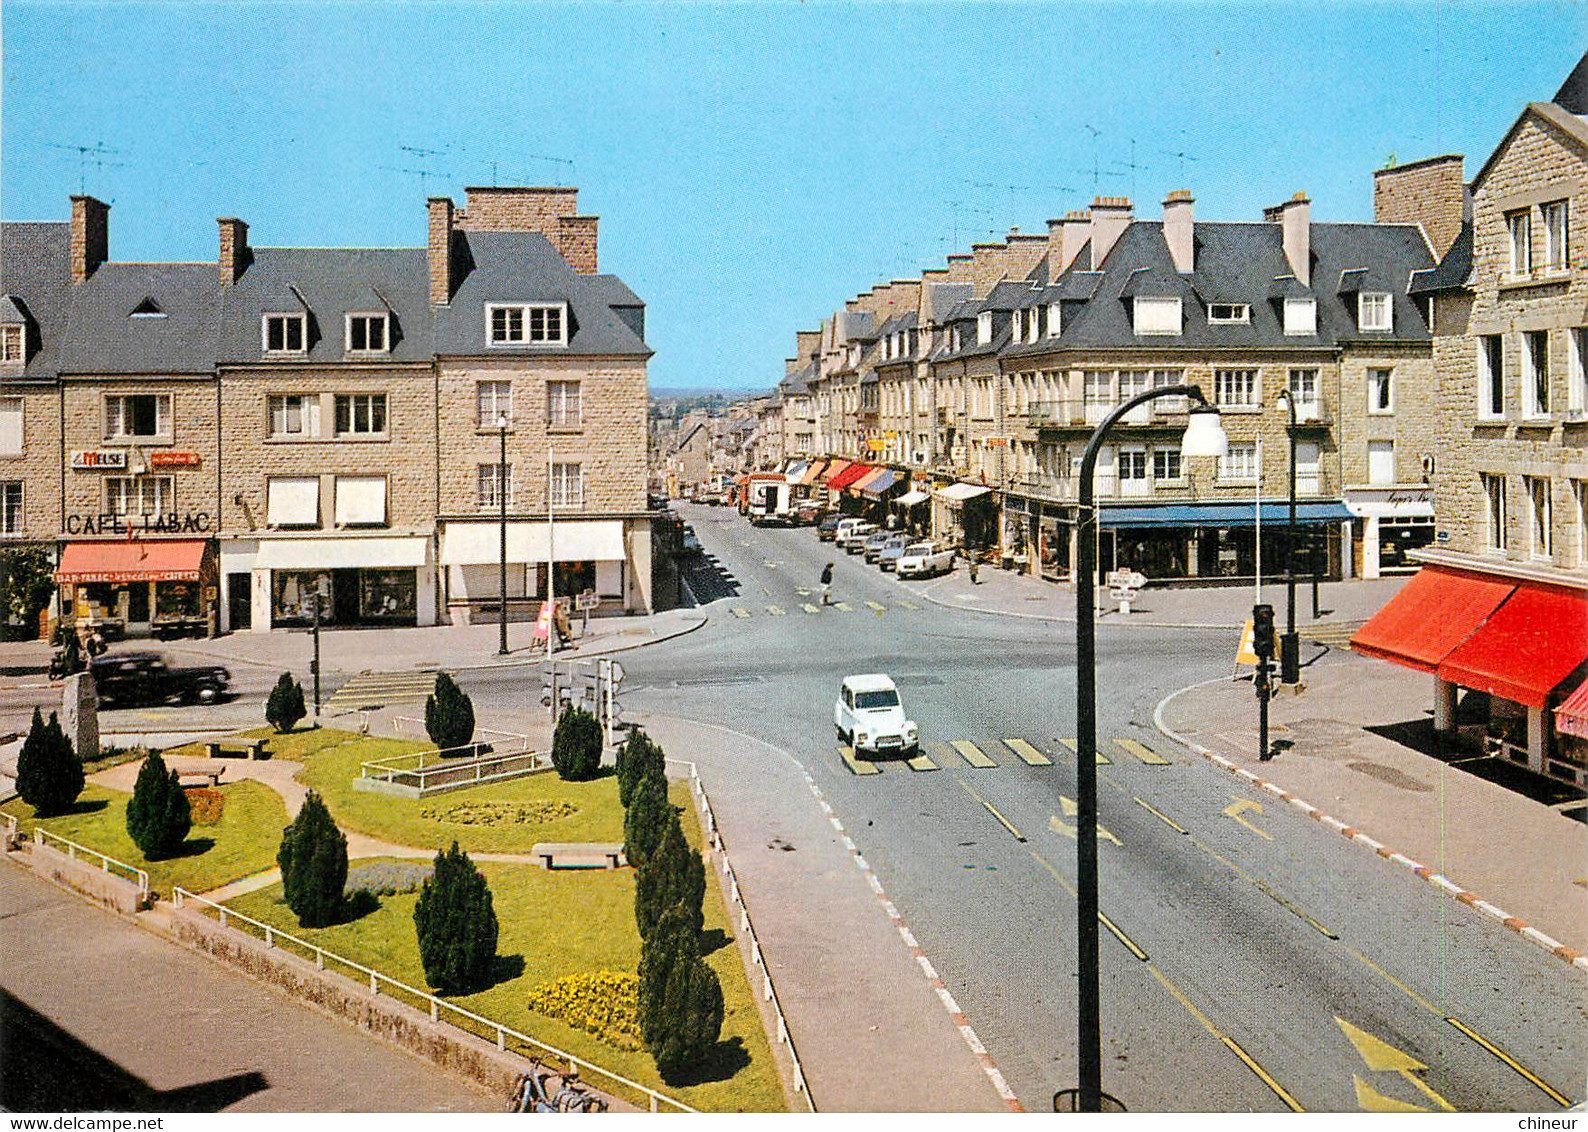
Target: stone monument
pixel 80 715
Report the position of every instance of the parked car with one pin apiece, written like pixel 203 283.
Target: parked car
pixel 888 556
pixel 924 559
pixel 827 530
pixel 130 679
pixel 869 716
pixel 848 528
pixel 874 543
pixel 807 515
pixel 855 540
pixel 692 542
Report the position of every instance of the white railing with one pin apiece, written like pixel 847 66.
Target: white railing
pixel 440 1009
pixel 713 836
pixel 42 836
pixel 433 769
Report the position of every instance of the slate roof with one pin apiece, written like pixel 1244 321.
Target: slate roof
pixel 1573 93
pixel 104 336
pixel 35 260
pixel 1453 271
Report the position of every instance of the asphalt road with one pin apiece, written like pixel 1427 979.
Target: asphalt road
pixel 1260 962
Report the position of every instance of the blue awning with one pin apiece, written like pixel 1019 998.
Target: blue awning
pixel 882 484
pixel 1221 514
pixel 796 470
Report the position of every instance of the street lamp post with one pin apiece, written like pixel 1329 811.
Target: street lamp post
pixel 1204 436
pixel 1290 643
pixel 501 500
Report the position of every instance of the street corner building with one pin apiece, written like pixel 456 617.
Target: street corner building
pixel 291 431
pixel 1498 614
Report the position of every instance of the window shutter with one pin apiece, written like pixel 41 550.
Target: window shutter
pixel 10 426
pixel 360 501
pixel 162 416
pixel 293 501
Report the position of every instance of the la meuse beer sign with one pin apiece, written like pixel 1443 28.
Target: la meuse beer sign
pixel 107 523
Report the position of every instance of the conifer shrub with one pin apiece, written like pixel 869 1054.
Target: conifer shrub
pixel 313 860
pixel 636 758
pixel 576 746
pixel 284 707
pixel 449 716
pixel 673 877
pixel 158 817
pixel 456 925
pixel 645 820
pixel 49 777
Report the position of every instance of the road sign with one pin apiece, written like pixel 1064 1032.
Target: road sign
pixel 587 600
pixel 1122 579
pixel 1245 653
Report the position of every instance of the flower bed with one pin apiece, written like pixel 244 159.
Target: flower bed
pixel 206 805
pixel 536 812
pixel 603 1003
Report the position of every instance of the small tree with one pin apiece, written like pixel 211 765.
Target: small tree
pixel 692 1020
pixel 456 925
pixel 285 707
pixel 449 714
pixel 313 860
pixel 158 817
pixel 49 777
pixel 673 877
pixel 576 746
pixel 635 758
pixel 645 820
pixel 672 942
pixel 27 580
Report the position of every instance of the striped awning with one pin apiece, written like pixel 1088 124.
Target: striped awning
pixel 1571 717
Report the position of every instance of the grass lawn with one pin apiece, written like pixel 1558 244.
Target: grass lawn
pixel 555 924
pixel 331 761
pixel 243 842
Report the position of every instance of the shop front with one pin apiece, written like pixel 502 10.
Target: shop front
pixel 1390 523
pixel 139 587
pixel 370 581
pixel 877 489
pixel 966 514
pixel 847 502
pixel 1221 541
pixel 585 555
pixel 914 516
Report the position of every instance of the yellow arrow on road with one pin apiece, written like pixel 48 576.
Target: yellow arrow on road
pixel 1234 811
pixel 1369 1099
pixel 1071 808
pixel 1381 1057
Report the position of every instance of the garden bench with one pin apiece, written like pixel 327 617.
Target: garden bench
pixel 213 777
pixel 579 855
pixel 236 748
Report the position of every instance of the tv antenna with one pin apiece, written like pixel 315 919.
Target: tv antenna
pixel 424 175
pixel 963 206
pixel 1130 167
pixel 1097 174
pixel 96 153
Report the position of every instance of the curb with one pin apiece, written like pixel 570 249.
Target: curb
pixel 1438 880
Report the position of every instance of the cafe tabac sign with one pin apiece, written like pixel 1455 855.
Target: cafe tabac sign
pixel 171 523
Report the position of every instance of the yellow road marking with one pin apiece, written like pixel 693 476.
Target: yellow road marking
pixel 1294 909
pixel 857 766
pixel 802 591
pixel 1071 808
pixel 1027 752
pixel 971 753
pixel 1234 811
pixel 1381 1057
pixel 909 605
pixel 737 612
pixel 921 762
pixel 844 606
pixel 1553 1094
pixel 876 607
pixel 1144 753
pixel 1058 876
pixel 1075 749
pixel 770 565
pixel 1246 1059
pixel 776 610
pixel 1287 905
pixel 1369 1099
pixel 1170 822
pixel 808 607
pixel 993 810
pixel 1123 938
pixel 1396 983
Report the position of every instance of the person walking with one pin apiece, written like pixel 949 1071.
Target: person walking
pixel 970 557
pixel 827 584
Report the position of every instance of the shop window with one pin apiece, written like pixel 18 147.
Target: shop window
pixel 10 508
pixel 292 501
pixel 133 415
pixel 1540 507
pixel 285 333
pixel 137 495
pixel 297 592
pixel 493 402
pixel 562 404
pixel 360 414
pixel 294 414
pixel 574 578
pixel 176 599
pixel 360 501
pixel 368 333
pixel 388 595
pixel 10 426
pixel 567 485
pixel 1398 538
pixel 1494 510
pixel 1491 376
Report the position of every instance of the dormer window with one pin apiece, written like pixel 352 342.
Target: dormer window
pixel 368 333
pixel 147 309
pixel 1301 316
pixel 13 343
pixel 1055 320
pixel 527 325
pixel 984 327
pixel 1157 316
pixel 1228 314
pixel 1017 323
pixel 956 340
pixel 1373 311
pixel 1032 329
pixel 285 333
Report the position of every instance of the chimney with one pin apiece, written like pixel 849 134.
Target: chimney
pixel 234 254
pixel 807 343
pixel 1178 230
pixel 1110 217
pixel 1026 250
pixel 552 211
pixel 90 236
pixel 575 238
pixel 959 268
pixel 440 250
pixel 989 264
pixel 1429 192
pixel 1295 217
pixel 1065 238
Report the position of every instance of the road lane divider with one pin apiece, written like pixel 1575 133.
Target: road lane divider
pixel 972 754
pixel 776 610
pixel 876 607
pixel 1527 1074
pixel 843 607
pixel 1168 821
pixel 1122 937
pixel 739 613
pixel 1283 901
pixel 909 605
pixel 1027 753
pixel 1142 752
pixel 993 810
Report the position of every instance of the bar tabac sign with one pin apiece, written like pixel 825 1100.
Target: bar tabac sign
pixel 169 523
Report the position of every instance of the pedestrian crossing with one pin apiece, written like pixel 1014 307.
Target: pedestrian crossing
pixel 744 613
pixel 991 754
pixel 379 689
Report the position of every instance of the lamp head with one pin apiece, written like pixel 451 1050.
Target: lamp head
pixel 502 421
pixel 1204 433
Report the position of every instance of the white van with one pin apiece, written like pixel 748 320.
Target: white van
pixel 847 527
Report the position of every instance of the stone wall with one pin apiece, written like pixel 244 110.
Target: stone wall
pixel 85 876
pixel 39 467
pixel 1431 192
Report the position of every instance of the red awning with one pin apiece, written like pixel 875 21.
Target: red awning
pixel 1432 614
pixel 1571 718
pixel 1528 646
pixel 849 475
pixel 123 561
pixel 834 470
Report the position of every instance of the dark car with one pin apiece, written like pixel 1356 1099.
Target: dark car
pixel 827 530
pixel 128 679
pixel 808 515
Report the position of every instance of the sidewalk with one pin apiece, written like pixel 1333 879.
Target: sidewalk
pixel 1211 606
pixel 1493 843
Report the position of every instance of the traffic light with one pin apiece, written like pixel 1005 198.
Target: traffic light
pixel 1263 631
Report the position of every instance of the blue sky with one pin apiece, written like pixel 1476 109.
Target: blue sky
pixel 753 165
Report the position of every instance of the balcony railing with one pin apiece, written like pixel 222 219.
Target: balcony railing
pixel 1081 413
